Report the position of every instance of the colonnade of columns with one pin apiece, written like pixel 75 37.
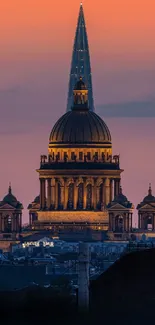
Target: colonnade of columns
pixel 120 223
pixel 60 193
pixel 11 222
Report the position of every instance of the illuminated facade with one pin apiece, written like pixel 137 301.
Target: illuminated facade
pixel 10 214
pixel 80 65
pixel 146 213
pixel 80 176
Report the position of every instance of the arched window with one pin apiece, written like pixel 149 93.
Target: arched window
pixel 148 222
pixel 119 224
pixel 89 196
pixel 59 196
pixel 71 196
pixel 80 196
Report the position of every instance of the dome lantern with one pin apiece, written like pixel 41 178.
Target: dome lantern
pixel 80 93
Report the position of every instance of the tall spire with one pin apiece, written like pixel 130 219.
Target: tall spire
pixel 80 62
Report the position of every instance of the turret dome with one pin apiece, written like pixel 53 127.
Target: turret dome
pixel 149 198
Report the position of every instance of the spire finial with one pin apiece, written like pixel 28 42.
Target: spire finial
pixel 150 189
pixel 10 190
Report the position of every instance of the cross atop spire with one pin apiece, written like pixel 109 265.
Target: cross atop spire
pixel 80 62
pixel 10 189
pixel 150 189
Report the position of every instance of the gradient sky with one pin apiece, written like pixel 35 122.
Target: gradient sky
pixel 36 39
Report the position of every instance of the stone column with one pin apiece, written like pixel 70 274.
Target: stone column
pixel 42 193
pixel 20 222
pixel 2 223
pixel 62 195
pixel 53 192
pixel 30 218
pixel 130 221
pixel 13 225
pixel 152 221
pixel 113 223
pixel 103 191
pixel 142 221
pixel 94 195
pixel 75 195
pixel 97 195
pixel 17 222
pixel 49 193
pixel 128 224
pixel 107 191
pixel 126 218
pixel 85 195
pixel 110 221
pixel 56 194
pixel 65 194
pixel 111 190
pixel 116 186
pixel 139 221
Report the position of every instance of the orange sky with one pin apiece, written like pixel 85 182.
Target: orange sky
pixel 38 25
pixel 38 34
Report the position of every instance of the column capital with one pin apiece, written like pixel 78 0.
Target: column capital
pixel 107 181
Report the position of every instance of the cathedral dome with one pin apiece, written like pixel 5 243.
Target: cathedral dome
pixel 10 198
pixel 121 199
pixel 149 198
pixel 80 126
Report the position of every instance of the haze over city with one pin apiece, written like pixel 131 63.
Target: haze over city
pixel 36 40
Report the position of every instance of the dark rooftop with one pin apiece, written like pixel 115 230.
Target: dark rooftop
pixel 80 165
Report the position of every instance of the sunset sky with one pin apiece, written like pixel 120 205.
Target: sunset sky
pixel 36 40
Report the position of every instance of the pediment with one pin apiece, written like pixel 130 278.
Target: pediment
pixel 7 207
pixel 148 207
pixel 117 206
pixel 36 206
